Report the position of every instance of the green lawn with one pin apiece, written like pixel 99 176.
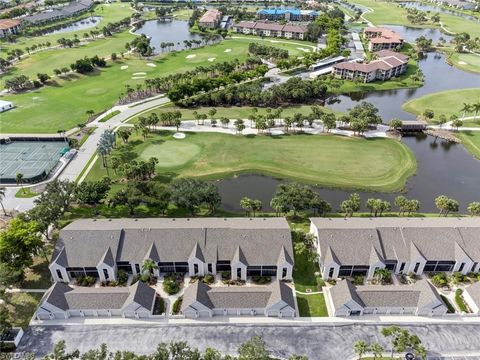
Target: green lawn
pixel 110 13
pixel 445 102
pixel 58 106
pixel 472 123
pixel 471 141
pixel 22 306
pixel 25 193
pixel 467 62
pixel 327 160
pixel 233 112
pixel 38 275
pixel 312 305
pixel 304 275
pixel 390 13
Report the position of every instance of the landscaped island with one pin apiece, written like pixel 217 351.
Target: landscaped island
pixel 326 160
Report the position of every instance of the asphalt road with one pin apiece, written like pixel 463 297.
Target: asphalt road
pixel 317 342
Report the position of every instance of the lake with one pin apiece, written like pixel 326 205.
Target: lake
pixel 87 23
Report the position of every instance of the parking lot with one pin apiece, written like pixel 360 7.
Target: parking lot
pixel 318 342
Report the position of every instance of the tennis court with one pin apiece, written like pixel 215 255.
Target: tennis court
pixel 34 159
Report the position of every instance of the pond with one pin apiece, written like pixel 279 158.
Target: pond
pixel 443 169
pixel 410 34
pixel 175 31
pixel 83 24
pixel 436 9
pixel 439 76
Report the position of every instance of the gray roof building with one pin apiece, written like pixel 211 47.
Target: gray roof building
pixel 275 297
pixel 438 244
pixel 420 298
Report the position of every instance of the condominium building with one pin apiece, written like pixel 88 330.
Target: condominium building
pixel 197 247
pixel 9 27
pixel 359 246
pixel 211 19
pixel 287 14
pixel 387 64
pixel 382 39
pixel 269 29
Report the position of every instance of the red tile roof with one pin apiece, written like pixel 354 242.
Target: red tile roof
pixel 6 24
pixel 210 16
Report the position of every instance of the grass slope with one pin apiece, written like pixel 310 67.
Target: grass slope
pixel 471 141
pixel 466 62
pixel 445 102
pixel 379 164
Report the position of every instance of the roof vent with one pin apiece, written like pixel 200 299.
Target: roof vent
pixel 173 219
pixel 188 219
pixel 135 220
pixel 109 219
pixel 94 219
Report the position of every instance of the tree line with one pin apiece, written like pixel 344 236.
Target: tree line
pixel 253 349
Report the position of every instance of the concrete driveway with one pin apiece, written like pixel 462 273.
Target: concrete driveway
pixel 316 341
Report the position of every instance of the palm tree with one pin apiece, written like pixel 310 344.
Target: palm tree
pixel 19 179
pixel 466 108
pixel 360 348
pixel 2 196
pixel 149 266
pixel 476 109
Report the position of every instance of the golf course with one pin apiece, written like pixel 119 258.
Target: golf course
pixel 326 160
pixel 446 102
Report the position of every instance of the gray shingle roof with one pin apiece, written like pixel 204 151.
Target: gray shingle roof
pixel 242 297
pixel 417 295
pixel 474 292
pixel 85 298
pixel 86 240
pixel 353 240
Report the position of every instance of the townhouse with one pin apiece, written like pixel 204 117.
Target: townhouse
pixel 420 299
pixel 211 19
pixel 9 27
pixel 471 295
pixel 201 300
pixel 278 14
pixel 71 9
pixel 359 246
pixel 242 246
pixel 62 301
pixel 382 39
pixel 387 64
pixel 268 29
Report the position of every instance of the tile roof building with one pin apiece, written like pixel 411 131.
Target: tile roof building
pixel 382 39
pixel 9 27
pixel 417 299
pixel 201 300
pixel 268 29
pixel 387 64
pixel 62 301
pixel 359 246
pixel 211 19
pixel 287 14
pixel 199 246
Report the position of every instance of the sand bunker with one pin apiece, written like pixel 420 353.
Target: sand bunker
pixel 190 56
pixel 138 77
pixel 151 65
pixel 139 73
pixel 228 50
pixel 179 135
pixel 124 67
pixel 211 59
pixel 303 49
pixel 462 63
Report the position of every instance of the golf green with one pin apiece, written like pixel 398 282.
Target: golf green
pixel 172 153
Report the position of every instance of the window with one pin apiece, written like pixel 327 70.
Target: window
pixel 195 269
pixel 210 268
pixel 402 267
pixel 390 264
pixel 474 268
pixel 59 275
pixel 439 266
pixel 254 270
pixel 330 273
pixel 415 270
pixel 125 266
pixel 462 266
pixel 269 270
pixel 284 273
pixel 239 273
pixel 137 268
pixel 105 274
pixel 223 265
pixel 350 270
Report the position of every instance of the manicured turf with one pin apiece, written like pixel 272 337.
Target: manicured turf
pixel 110 13
pixel 445 102
pixel 312 305
pixel 172 153
pixel 37 276
pixel 389 13
pixel 467 62
pixel 471 141
pixel 63 105
pixel 379 164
